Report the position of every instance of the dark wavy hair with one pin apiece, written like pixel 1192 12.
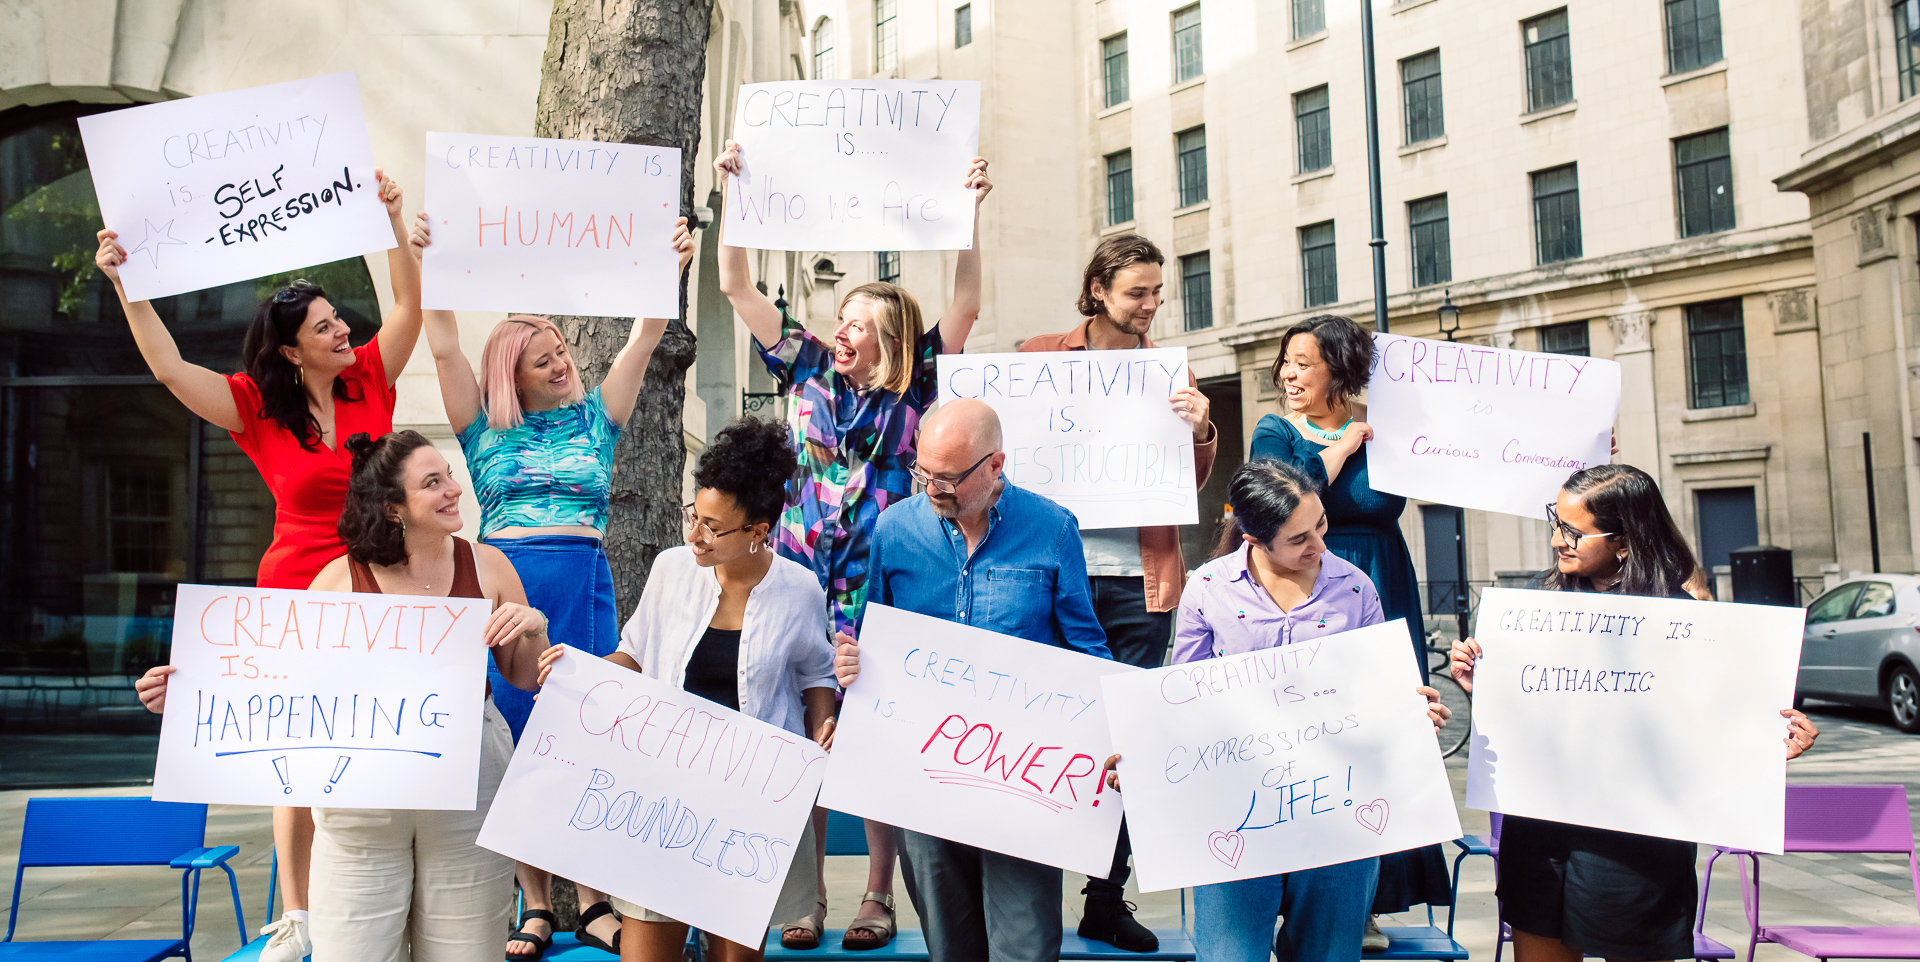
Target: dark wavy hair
pixel 375 482
pixel 1114 254
pixel 1626 502
pixel 752 460
pixel 1264 494
pixel 276 324
pixel 1344 345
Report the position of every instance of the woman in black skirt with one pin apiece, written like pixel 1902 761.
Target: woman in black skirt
pixel 1569 890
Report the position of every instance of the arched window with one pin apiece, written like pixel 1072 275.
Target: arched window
pixel 823 49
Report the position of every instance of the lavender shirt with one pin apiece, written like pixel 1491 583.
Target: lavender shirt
pixel 1224 611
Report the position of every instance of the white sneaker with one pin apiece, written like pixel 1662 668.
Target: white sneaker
pixel 288 941
pixel 1372 940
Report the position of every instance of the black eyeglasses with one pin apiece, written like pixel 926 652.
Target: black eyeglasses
pixel 1568 533
pixel 298 289
pixel 944 486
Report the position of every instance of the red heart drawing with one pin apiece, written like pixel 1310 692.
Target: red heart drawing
pixel 1373 816
pixel 1227 846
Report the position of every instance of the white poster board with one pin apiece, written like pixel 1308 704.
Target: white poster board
pixel 540 226
pixel 1482 427
pixel 326 698
pixel 627 784
pixel 1647 715
pixel 1090 429
pixel 979 738
pixel 229 187
pixel 1279 760
pixel 854 165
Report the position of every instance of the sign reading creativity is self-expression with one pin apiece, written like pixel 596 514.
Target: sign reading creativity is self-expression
pixel 229 187
pixel 1278 760
pixel 551 226
pixel 979 738
pixel 634 787
pixel 1647 715
pixel 854 165
pixel 1482 427
pixel 1090 429
pixel 305 698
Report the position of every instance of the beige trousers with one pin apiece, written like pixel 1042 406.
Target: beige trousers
pixel 392 885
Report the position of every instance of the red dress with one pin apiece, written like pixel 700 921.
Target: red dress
pixel 310 486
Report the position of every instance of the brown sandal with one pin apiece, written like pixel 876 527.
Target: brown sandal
pixel 810 927
pixel 885 927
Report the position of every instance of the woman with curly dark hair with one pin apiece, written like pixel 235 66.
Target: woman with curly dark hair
pixel 726 618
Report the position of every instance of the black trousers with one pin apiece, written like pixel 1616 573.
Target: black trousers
pixel 1140 638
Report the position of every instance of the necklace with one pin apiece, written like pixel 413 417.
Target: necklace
pixel 1323 434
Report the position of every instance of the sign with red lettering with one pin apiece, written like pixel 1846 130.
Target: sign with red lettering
pixel 1483 427
pixel 539 226
pixel 326 698
pixel 979 738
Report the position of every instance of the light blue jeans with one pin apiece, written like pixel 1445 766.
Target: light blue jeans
pixel 1326 910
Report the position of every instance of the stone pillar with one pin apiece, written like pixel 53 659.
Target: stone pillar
pixel 1638 428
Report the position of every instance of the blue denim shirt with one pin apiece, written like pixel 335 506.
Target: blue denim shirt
pixel 1027 578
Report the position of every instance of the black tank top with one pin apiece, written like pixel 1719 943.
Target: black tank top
pixel 713 672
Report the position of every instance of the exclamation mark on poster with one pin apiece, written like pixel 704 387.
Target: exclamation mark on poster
pixel 1349 802
pixel 280 769
pixel 1099 787
pixel 340 768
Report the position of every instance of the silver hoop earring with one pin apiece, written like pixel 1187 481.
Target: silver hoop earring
pixel 1622 556
pixel 753 548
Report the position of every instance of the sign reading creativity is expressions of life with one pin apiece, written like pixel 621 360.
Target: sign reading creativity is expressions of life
pixel 229 187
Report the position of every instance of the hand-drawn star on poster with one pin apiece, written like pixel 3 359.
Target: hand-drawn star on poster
pixel 156 238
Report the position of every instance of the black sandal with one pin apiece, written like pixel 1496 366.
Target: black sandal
pixel 540 943
pixel 593 914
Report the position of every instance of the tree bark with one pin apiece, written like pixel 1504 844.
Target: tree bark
pixel 631 72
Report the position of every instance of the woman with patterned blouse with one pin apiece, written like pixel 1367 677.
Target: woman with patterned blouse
pixel 853 407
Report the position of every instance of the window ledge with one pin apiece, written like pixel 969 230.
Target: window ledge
pixel 1694 74
pixel 1411 149
pixel 1554 111
pixel 1185 84
pixel 1404 5
pixel 1718 414
pixel 1293 45
pixel 1123 228
pixel 1193 208
pixel 1119 108
pixel 1326 171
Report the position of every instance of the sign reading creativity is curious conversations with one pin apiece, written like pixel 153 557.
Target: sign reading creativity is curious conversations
pixel 229 187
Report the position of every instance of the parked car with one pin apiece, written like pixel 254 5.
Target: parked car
pixel 1862 644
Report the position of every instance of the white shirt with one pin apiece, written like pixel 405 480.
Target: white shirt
pixel 784 646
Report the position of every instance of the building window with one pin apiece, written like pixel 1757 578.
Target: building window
pixel 1570 338
pixel 1549 60
pixel 140 517
pixel 962 25
pixel 886 36
pixel 1432 249
pixel 1717 354
pixel 1693 34
pixel 1313 129
pixel 1192 163
pixel 1187 63
pixel 1703 180
pixel 888 266
pixel 1322 279
pixel 1113 65
pixel 1119 187
pixel 1420 86
pixel 1196 290
pixel 1309 18
pixel 1906 45
pixel 823 50
pixel 1556 214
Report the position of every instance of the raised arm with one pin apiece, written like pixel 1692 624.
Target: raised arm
pixel 400 331
pixel 629 368
pixel 736 278
pixel 957 322
pixel 459 389
pixel 203 391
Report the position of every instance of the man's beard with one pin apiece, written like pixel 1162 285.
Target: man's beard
pixel 945 507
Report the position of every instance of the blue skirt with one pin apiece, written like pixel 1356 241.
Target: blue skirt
pixel 567 579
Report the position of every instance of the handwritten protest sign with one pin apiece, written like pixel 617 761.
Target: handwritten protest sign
pixel 629 785
pixel 305 698
pixel 551 226
pixel 1278 760
pixel 229 187
pixel 1647 715
pixel 1482 427
pixel 1090 429
pixel 854 165
pixel 979 738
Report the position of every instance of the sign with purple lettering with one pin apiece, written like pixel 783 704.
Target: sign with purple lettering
pixel 245 184
pixel 551 226
pixel 854 165
pixel 1655 716
pixel 1483 427
pixel 304 698
pixel 627 784
pixel 1278 760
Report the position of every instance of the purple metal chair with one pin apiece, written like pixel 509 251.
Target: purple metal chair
pixel 1838 818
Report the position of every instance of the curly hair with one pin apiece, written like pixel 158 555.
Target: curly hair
pixel 752 460
pixel 1344 345
pixel 376 481
pixel 276 324
pixel 1112 256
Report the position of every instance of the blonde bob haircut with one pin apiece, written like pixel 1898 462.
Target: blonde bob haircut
pixel 900 329
pixel 500 365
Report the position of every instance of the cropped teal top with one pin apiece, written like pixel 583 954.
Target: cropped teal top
pixel 556 468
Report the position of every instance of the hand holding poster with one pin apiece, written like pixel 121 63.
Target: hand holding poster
pixel 1278 760
pixel 979 738
pixel 551 226
pixel 854 165
pixel 1482 427
pixel 632 786
pixel 1090 429
pixel 1647 715
pixel 229 187
pixel 306 698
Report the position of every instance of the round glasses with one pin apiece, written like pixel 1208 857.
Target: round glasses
pixel 698 530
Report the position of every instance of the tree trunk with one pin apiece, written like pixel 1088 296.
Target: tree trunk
pixel 630 71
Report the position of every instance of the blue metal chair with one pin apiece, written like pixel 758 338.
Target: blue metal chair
pixel 69 832
pixel 251 950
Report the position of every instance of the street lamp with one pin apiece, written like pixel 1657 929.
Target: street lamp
pixel 1449 316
